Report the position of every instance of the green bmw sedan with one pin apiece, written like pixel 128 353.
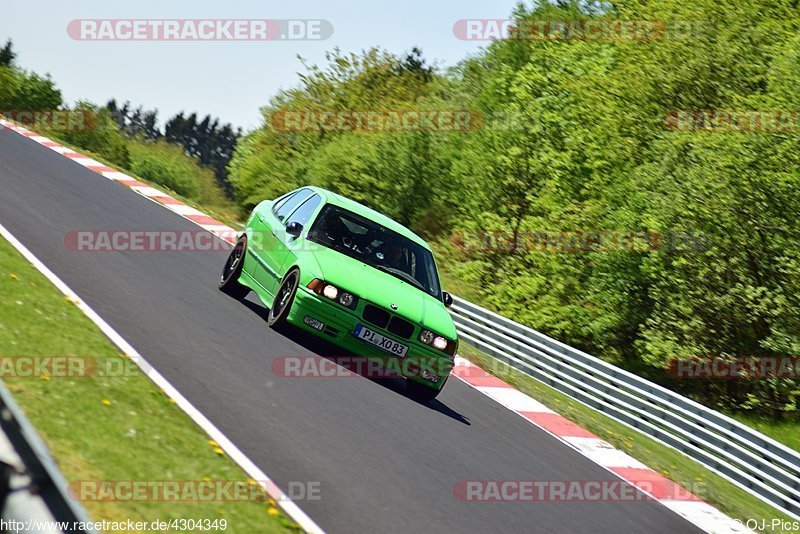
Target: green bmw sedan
pixel 348 274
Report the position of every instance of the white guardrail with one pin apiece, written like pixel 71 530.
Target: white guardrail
pixel 749 459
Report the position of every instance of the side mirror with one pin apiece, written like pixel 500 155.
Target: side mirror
pixel 294 229
pixel 447 298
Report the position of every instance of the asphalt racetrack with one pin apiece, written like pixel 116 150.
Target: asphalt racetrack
pixel 384 463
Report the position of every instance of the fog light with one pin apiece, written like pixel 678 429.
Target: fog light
pixel 331 292
pixel 346 299
pixel 440 343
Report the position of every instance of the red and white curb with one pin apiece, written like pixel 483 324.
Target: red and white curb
pixel 628 468
pixel 592 447
pixel 214 226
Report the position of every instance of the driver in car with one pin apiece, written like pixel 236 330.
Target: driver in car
pixel 392 256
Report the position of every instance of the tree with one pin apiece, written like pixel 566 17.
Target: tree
pixel 7 55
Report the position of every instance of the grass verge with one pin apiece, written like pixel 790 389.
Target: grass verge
pixel 111 427
pixel 714 489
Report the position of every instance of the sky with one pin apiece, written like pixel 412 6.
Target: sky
pixel 227 79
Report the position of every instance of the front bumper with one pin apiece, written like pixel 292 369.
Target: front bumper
pixel 421 363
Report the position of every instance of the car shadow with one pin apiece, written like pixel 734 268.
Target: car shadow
pixel 332 352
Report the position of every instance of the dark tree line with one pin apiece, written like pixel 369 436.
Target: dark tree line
pixel 208 140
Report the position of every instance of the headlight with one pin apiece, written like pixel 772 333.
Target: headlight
pixel 438 342
pixel 331 292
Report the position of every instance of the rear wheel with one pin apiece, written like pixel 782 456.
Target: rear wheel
pixel 229 281
pixel 283 299
pixel 420 392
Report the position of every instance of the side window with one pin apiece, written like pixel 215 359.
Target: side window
pixel 281 200
pixel 288 207
pixel 304 212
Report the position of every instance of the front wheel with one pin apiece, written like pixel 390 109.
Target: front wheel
pixel 420 392
pixel 229 281
pixel 283 300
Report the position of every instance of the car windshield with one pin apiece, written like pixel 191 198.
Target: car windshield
pixel 377 246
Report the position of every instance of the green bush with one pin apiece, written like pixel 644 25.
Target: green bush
pixel 167 165
pixel 102 136
pixel 26 91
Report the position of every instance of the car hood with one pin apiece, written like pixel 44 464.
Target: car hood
pixel 380 288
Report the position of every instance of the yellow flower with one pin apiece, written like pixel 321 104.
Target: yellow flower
pixel 251 482
pixel 272 510
pixel 219 451
pixel 107 402
pixel 44 377
pixel 171 400
pixel 13 276
pixel 213 443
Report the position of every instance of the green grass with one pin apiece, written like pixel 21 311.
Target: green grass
pixel 714 489
pixel 110 428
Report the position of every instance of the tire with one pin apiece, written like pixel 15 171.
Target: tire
pixel 284 298
pixel 420 392
pixel 229 281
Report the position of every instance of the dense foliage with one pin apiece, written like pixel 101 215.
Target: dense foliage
pixel 575 138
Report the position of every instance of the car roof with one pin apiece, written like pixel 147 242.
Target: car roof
pixel 360 209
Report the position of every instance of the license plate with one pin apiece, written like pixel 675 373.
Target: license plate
pixel 389 345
